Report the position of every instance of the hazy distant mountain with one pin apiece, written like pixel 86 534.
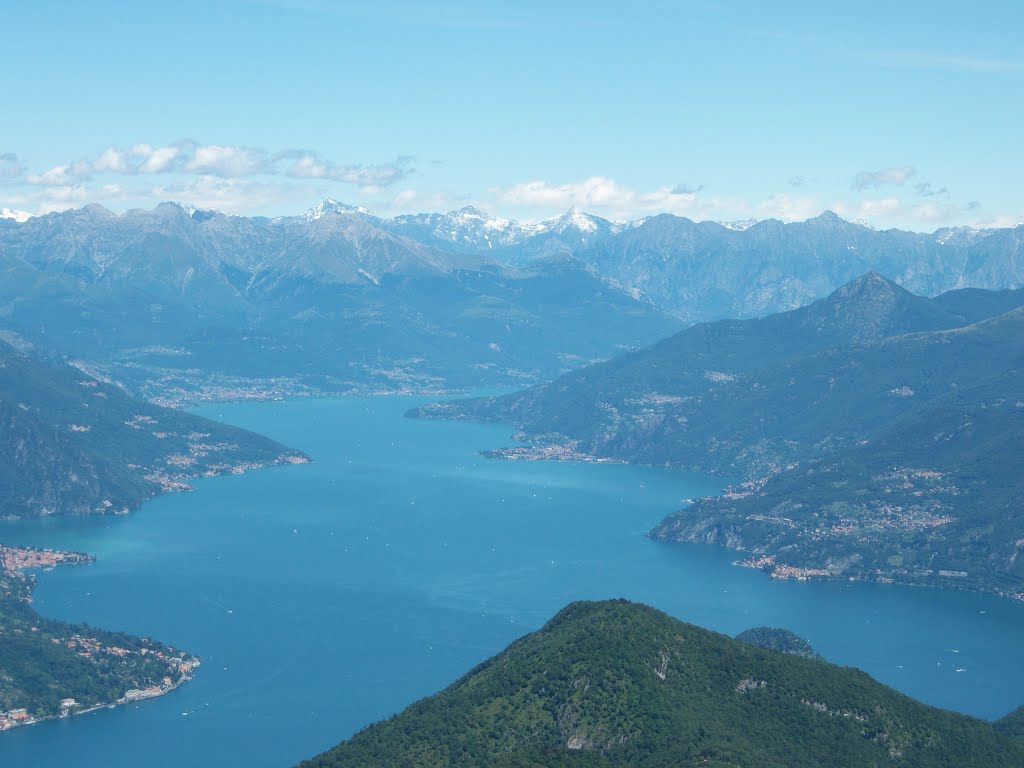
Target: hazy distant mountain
pixel 467 230
pixel 877 431
pixel 335 293
pixel 344 299
pixel 470 230
pixel 703 271
pixel 571 233
pixel 613 684
pixel 652 405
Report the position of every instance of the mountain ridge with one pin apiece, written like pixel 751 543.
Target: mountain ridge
pixel 77 445
pixel 614 683
pixel 844 420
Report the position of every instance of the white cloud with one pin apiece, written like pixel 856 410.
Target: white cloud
pixel 159 160
pixel 608 197
pixel 308 165
pixel 56 176
pixel 415 201
pixel 594 192
pixel 937 211
pixel 788 207
pixel 224 161
pixel 884 176
pixel 141 158
pixel 14 213
pixel 60 198
pixel 237 196
pixel 228 161
pixel 886 206
pixel 1011 220
pixel 111 161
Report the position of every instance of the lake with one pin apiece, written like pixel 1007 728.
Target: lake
pixel 323 597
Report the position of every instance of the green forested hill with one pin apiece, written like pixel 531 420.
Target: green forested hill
pixel 876 433
pixel 936 499
pixel 629 406
pixel 777 639
pixel 1012 724
pixel 43 661
pixel 619 684
pixel 742 398
pixel 75 445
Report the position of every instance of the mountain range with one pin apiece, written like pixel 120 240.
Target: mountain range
pixel 711 270
pixel 331 300
pixel 177 300
pixel 874 432
pixel 620 684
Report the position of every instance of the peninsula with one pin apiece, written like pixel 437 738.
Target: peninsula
pixel 54 669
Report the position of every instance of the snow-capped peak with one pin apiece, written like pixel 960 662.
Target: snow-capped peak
pixel 739 225
pixel 571 219
pixel 19 216
pixel 197 214
pixel 470 212
pixel 471 215
pixel 330 205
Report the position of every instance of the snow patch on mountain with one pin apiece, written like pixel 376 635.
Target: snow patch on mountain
pixel 740 225
pixel 573 219
pixel 18 216
pixel 331 206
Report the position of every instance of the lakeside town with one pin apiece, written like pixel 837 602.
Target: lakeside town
pixel 69 706
pixel 122 669
pixel 548 452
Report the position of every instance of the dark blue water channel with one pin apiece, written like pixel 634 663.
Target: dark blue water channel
pixel 326 596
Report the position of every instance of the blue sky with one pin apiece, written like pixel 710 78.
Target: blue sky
pixel 901 114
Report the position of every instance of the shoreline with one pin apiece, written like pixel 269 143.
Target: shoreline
pixel 146 694
pixel 103 649
pixel 554 452
pixel 175 483
pixel 768 565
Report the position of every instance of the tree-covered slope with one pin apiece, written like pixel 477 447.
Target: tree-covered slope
pixel 620 684
pixel 743 397
pixel 50 668
pixel 76 445
pixel 1012 724
pixel 935 499
pixel 777 639
pixel 876 432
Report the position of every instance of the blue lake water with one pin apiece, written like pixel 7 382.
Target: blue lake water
pixel 326 596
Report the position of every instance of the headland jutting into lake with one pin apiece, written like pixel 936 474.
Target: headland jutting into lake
pixel 400 557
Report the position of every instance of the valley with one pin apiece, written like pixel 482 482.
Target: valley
pixel 399 558
pixel 874 433
pixel 511 385
pixel 858 435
